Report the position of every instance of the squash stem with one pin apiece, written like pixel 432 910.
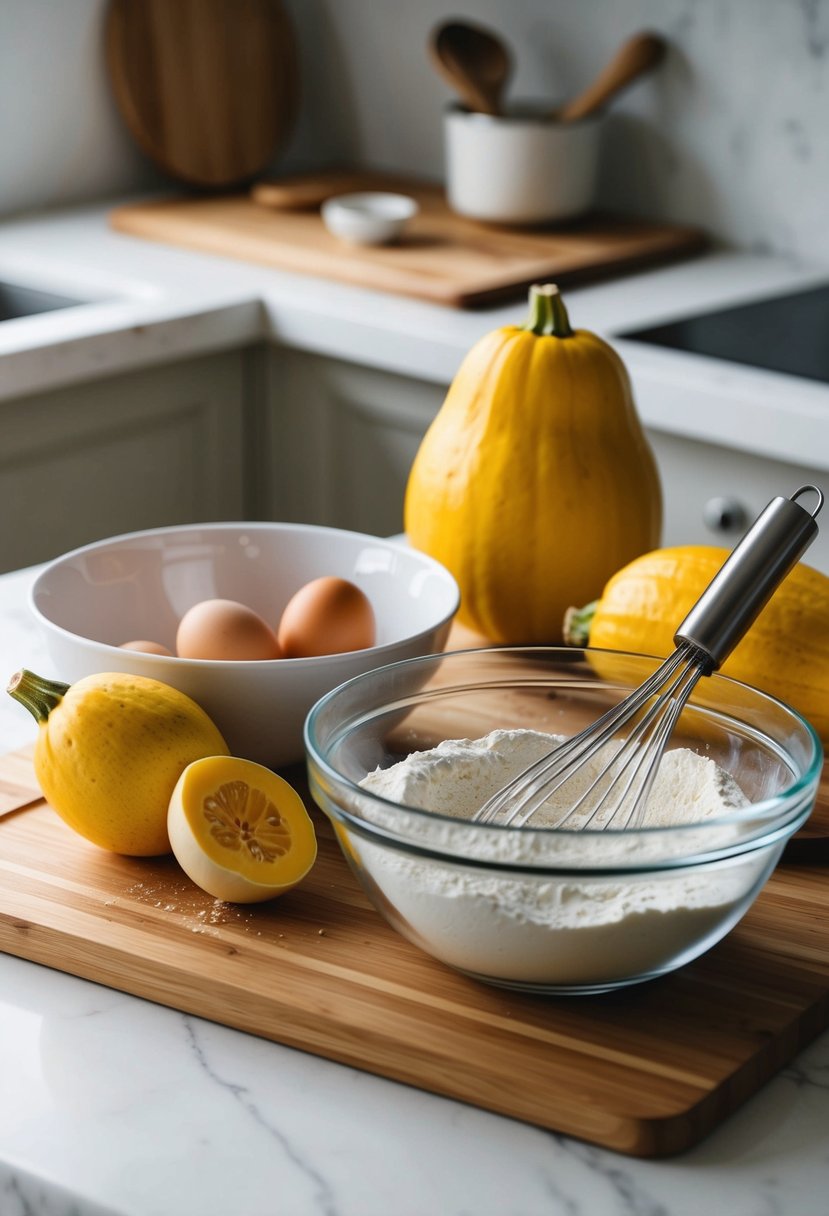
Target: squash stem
pixel 39 695
pixel 548 316
pixel 577 622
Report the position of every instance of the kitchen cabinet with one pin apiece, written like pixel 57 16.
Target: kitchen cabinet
pixel 713 493
pixel 269 432
pixel 138 450
pixel 339 440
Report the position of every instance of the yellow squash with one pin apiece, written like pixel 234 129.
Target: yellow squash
pixel 109 751
pixel 535 480
pixel 785 652
pixel 240 831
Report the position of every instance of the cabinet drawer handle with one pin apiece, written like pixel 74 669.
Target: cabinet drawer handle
pixel 725 515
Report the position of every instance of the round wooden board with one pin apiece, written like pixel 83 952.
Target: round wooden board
pixel 208 88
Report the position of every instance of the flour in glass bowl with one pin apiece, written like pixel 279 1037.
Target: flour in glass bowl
pixel 557 930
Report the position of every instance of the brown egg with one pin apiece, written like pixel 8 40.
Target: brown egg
pixel 224 629
pixel 327 616
pixel 147 647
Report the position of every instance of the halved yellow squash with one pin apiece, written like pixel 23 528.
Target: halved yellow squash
pixel 240 831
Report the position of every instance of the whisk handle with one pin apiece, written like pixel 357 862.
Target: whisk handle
pixel 745 583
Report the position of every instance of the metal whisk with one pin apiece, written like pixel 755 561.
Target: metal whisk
pixel 617 795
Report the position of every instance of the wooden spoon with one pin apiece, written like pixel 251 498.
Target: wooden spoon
pixel 638 55
pixel 474 61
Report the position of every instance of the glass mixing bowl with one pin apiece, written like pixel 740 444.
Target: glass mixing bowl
pixel 543 909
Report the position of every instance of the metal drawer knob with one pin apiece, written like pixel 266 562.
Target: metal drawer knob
pixel 725 515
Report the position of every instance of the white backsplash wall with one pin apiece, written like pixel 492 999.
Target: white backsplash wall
pixel 732 133
pixel 61 139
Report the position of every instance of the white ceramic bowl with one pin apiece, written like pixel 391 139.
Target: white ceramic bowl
pixel 522 167
pixel 369 218
pixel 90 601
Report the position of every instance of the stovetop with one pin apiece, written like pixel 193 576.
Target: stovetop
pixel 781 333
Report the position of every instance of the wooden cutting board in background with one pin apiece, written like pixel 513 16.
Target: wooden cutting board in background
pixel 207 88
pixel 443 257
pixel 647 1071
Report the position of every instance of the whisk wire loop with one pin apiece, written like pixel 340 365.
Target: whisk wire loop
pixel 672 702
pixel 631 770
pixel 534 779
pixel 637 754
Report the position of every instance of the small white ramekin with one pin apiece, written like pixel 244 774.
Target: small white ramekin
pixel 368 218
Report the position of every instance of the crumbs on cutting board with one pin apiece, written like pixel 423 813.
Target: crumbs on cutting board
pixel 205 919
pixel 183 899
pixel 197 912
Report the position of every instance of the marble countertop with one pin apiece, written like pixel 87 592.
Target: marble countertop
pixel 113 1106
pixel 143 303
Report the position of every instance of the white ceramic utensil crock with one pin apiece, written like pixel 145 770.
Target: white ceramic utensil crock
pixel 522 167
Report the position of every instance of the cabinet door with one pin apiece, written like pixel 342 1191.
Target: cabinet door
pixel 340 440
pixel 712 493
pixel 155 447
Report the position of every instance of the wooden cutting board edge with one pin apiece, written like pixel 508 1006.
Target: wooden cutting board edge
pixel 789 1019
pixel 513 260
pixel 672 1133
pixel 483 296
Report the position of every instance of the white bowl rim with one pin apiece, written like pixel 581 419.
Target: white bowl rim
pixel 373 204
pixel 343 658
pixel 525 112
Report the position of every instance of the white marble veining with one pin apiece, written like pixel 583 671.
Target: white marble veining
pixel 113 1106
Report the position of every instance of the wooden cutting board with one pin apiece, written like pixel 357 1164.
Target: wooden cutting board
pixel 207 88
pixel 443 257
pixel 648 1071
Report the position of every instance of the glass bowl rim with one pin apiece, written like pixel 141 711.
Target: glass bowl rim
pixel 768 808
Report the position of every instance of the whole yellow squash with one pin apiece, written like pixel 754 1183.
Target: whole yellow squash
pixel 535 481
pixel 109 751
pixel 785 652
